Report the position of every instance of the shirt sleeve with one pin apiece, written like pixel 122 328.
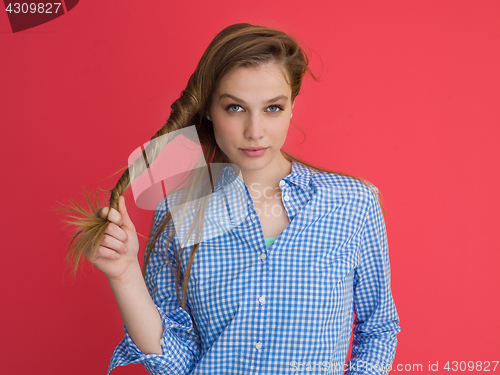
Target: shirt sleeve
pixel 180 341
pixel 377 322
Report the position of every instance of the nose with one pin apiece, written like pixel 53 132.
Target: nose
pixel 254 127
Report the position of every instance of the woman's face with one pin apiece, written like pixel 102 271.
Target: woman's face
pixel 251 108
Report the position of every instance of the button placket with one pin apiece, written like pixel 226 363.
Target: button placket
pixel 282 186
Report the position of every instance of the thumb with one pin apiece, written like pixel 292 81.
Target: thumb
pixel 123 211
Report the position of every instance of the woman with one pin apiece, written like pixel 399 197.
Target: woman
pixel 273 293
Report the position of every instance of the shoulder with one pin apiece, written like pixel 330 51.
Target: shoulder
pixel 344 186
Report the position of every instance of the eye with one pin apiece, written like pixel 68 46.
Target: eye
pixel 275 108
pixel 233 108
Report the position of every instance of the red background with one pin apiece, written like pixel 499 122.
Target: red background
pixel 409 100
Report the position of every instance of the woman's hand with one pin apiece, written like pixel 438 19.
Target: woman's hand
pixel 117 253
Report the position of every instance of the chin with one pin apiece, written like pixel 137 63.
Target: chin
pixel 254 163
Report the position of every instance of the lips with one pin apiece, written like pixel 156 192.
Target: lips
pixel 254 151
pixel 254 148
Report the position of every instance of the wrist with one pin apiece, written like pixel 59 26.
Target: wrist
pixel 131 275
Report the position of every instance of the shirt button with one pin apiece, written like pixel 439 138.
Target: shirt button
pixel 286 198
pixel 262 256
pixel 262 299
pixel 252 216
pixel 258 345
pixel 282 183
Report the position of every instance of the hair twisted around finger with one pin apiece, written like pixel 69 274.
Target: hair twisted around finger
pixel 89 225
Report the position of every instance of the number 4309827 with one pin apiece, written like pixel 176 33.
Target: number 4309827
pixel 33 7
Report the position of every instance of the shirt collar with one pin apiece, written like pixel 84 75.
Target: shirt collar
pixel 225 177
pixel 300 175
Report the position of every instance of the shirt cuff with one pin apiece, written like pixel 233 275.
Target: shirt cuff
pixel 180 350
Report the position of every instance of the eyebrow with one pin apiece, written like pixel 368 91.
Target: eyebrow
pixel 226 95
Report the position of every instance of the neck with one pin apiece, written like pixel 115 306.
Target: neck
pixel 269 177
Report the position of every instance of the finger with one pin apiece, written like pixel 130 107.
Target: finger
pixel 114 215
pixel 117 232
pixel 124 214
pixel 101 252
pixel 104 252
pixel 114 244
pixel 103 212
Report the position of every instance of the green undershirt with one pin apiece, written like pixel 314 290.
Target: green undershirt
pixel 269 241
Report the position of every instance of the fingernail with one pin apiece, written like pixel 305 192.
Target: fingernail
pixel 117 255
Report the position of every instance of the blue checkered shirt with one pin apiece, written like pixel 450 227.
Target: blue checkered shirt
pixel 286 309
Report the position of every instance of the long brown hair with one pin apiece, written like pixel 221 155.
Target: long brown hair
pixel 238 45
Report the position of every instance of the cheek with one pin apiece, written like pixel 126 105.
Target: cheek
pixel 218 138
pixel 281 131
pixel 223 134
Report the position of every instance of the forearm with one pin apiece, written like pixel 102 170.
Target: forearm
pixel 373 351
pixel 139 313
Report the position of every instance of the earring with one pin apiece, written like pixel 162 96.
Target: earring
pixel 291 115
pixel 208 118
